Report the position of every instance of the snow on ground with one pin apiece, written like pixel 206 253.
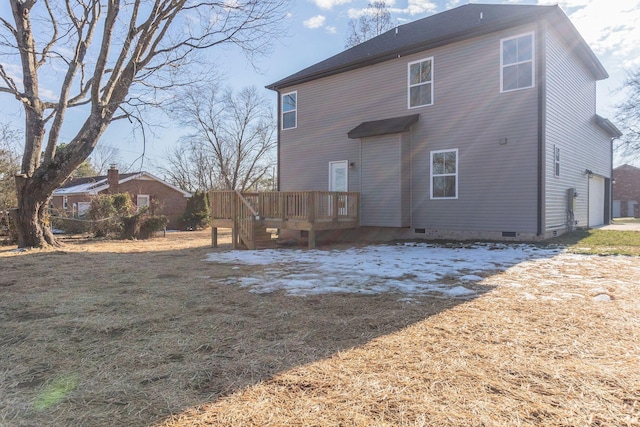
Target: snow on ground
pixel 410 268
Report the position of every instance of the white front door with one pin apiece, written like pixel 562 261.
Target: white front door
pixel 338 175
pixel 339 181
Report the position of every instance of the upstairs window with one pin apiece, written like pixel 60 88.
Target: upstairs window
pixel 421 83
pixel 556 160
pixel 289 110
pixel 517 63
pixel 444 174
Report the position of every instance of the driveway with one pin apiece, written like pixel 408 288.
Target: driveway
pixel 625 226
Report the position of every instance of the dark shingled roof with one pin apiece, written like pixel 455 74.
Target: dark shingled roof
pixel 443 28
pixel 383 127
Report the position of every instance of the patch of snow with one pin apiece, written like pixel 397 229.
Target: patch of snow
pixel 602 297
pixel 410 268
pixel 459 291
pixel 472 278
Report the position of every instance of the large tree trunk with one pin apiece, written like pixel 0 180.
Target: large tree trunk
pixel 31 216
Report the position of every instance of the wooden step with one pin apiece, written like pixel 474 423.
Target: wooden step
pixel 266 244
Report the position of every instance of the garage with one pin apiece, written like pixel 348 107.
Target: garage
pixel 596 201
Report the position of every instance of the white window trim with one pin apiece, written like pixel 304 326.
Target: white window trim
pixel 443 174
pixel 282 112
pixel 532 60
pixel 409 85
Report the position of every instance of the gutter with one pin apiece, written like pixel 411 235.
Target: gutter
pixel 541 76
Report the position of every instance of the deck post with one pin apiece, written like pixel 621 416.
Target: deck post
pixel 234 217
pixel 311 207
pixel 214 237
pixel 282 202
pixel 312 238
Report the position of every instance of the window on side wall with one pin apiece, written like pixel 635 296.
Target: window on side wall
pixel 142 201
pixel 556 160
pixel 444 174
pixel 420 83
pixel 289 110
pixel 65 203
pixel 516 62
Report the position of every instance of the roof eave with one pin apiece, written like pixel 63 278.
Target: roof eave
pixel 408 50
pixel 607 126
pixel 582 50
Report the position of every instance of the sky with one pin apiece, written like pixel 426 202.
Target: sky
pixel 460 271
pixel 317 30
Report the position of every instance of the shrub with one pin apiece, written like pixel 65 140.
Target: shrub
pixel 197 212
pixel 7 229
pixel 107 212
pixel 66 223
pixel 142 225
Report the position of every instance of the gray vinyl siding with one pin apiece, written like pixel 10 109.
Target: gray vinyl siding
pixel 570 125
pixel 497 183
pixel 382 181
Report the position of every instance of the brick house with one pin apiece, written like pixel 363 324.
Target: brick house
pixel 626 191
pixel 74 197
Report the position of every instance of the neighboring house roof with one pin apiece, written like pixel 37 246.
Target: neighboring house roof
pixel 453 25
pixel 95 184
pixel 628 167
pixel 383 127
pixel 608 127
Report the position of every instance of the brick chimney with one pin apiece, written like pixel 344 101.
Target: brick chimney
pixel 113 178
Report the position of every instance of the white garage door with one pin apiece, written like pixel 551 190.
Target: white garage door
pixel 596 201
pixel 616 209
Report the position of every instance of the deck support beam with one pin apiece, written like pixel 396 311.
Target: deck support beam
pixel 312 239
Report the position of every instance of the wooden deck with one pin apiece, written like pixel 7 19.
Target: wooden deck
pixel 250 214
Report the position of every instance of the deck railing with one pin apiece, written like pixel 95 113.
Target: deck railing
pixel 310 206
pixel 299 210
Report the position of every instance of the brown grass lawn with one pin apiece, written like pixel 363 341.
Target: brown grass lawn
pixel 142 333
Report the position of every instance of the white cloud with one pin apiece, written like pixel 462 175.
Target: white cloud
pixel 414 7
pixel 315 22
pixel 453 3
pixel 417 7
pixel 328 4
pixel 331 30
pixel 610 28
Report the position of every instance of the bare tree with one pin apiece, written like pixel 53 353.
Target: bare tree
pixel 103 156
pixel 233 139
pixel 375 20
pixel 115 57
pixel 190 166
pixel 628 115
pixel 9 166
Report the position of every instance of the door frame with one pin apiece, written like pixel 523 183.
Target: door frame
pixel 343 163
pixel 342 203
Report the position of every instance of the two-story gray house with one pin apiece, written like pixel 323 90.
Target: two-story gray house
pixel 478 122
